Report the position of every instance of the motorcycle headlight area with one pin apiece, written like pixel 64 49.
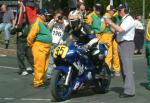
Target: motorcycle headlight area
pixel 60 51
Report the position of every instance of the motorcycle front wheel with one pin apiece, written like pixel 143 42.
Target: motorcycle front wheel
pixel 59 91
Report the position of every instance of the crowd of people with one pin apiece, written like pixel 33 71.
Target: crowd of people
pixel 36 38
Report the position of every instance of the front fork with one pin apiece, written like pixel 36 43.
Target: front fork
pixel 68 76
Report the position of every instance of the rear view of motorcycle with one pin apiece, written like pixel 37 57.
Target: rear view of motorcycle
pixel 103 74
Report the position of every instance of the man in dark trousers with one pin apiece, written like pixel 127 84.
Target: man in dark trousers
pixel 23 51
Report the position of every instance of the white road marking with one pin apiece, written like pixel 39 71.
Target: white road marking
pixel 7 98
pixel 12 68
pixel 67 101
pixel 26 99
pixel 34 99
pixel 3 55
pixel 8 49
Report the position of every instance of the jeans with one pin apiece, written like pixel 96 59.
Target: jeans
pixel 5 27
pixel 51 64
pixel 50 67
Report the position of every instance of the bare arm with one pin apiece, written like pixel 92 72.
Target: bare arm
pixel 114 26
pixel 51 24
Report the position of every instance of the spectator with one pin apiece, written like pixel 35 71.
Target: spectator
pixel 79 13
pixel 107 37
pixel 31 11
pixel 8 22
pixel 139 35
pixel 72 4
pixel 125 37
pixel 76 18
pixel 40 38
pixel 148 53
pixel 57 26
pixel 93 19
pixel 23 51
pixel 1 15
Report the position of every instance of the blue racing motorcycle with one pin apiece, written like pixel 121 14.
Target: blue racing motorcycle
pixel 80 65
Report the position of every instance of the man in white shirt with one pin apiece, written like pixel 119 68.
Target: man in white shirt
pixel 125 37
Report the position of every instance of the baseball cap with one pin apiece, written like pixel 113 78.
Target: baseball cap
pixel 121 6
pixel 98 6
pixel 110 8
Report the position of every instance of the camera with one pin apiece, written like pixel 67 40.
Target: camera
pixel 60 17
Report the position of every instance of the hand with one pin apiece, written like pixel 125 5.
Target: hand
pixel 19 34
pixel 16 26
pixel 55 18
pixel 77 17
pixel 108 22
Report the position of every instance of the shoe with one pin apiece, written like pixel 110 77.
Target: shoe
pixel 126 95
pixel 6 44
pixel 29 70
pixel 138 53
pixel 41 86
pixel 24 73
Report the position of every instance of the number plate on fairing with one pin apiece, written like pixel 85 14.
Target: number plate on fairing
pixel 60 50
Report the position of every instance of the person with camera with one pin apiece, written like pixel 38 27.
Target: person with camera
pixel 57 27
pixel 125 37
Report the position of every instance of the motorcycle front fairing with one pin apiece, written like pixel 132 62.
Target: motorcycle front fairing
pixel 63 69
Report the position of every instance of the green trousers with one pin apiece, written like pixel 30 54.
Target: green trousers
pixel 148 61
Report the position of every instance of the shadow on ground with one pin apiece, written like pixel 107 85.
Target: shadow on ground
pixel 117 90
pixel 144 84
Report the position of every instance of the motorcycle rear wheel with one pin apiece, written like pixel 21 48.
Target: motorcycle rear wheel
pixel 102 84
